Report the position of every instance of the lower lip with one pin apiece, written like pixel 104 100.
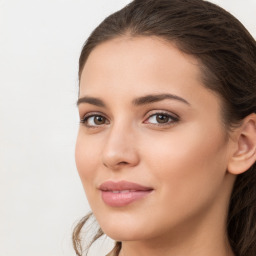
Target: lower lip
pixel 122 199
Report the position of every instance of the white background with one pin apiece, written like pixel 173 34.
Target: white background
pixel 41 196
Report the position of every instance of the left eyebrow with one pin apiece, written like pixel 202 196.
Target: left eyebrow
pixel 157 97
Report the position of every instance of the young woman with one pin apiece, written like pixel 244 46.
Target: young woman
pixel 166 148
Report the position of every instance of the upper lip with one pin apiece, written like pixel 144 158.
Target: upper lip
pixel 122 185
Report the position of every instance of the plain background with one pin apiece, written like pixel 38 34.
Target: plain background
pixel 41 196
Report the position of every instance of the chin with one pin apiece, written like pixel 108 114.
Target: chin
pixel 119 234
pixel 123 228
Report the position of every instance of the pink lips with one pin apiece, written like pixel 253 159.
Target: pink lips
pixel 122 193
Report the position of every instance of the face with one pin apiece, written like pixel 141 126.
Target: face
pixel 151 149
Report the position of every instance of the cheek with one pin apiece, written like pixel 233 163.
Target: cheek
pixel 87 161
pixel 86 157
pixel 188 166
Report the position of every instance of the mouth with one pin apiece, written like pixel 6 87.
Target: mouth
pixel 122 193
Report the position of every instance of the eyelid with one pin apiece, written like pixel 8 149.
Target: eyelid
pixel 161 111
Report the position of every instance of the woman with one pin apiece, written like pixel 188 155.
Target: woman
pixel 166 148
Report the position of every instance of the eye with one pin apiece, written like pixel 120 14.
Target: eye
pixel 94 120
pixel 161 119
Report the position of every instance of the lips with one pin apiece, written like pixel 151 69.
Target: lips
pixel 117 194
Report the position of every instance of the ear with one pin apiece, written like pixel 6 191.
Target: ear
pixel 244 148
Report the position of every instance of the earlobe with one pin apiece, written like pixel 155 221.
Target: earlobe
pixel 244 153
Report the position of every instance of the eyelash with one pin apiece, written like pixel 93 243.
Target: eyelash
pixel 174 119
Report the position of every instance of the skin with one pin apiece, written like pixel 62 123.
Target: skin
pixel 184 161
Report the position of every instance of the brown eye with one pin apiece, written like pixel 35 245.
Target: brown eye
pixel 162 118
pixel 99 120
pixel 94 120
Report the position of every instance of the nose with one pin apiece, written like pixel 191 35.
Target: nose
pixel 120 149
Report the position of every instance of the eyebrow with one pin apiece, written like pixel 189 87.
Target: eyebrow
pixel 157 97
pixel 144 100
pixel 92 101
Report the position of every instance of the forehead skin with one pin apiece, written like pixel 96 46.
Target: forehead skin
pixel 122 53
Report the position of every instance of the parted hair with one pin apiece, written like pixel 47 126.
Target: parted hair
pixel 227 55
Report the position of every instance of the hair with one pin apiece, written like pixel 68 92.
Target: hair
pixel 227 55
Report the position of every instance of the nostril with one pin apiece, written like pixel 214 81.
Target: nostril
pixel 120 163
pixel 123 163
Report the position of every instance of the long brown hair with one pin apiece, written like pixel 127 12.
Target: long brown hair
pixel 227 53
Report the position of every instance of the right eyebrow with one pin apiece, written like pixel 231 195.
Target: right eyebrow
pixel 91 100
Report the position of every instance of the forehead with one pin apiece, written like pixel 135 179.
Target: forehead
pixel 137 59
